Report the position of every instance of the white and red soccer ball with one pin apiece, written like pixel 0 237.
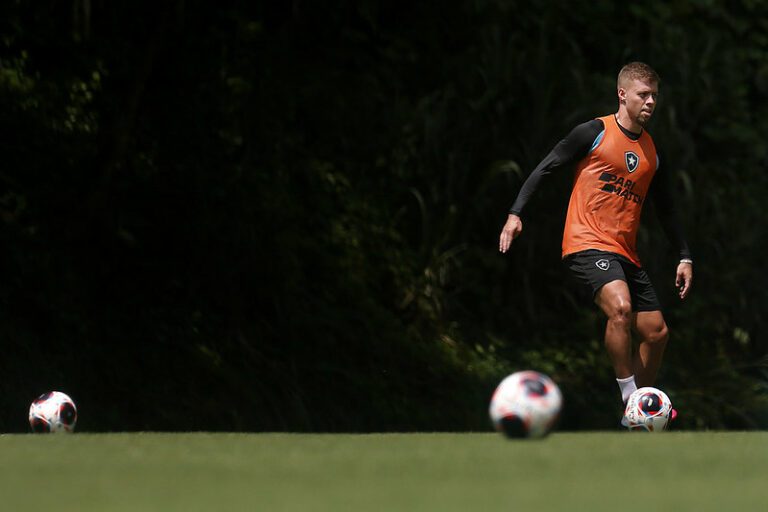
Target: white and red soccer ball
pixel 648 409
pixel 526 404
pixel 53 412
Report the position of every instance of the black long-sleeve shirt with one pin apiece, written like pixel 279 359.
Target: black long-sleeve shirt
pixel 575 146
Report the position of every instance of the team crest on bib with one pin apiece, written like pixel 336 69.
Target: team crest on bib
pixel 632 160
pixel 603 264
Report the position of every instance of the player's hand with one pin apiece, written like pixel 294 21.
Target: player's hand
pixel 684 279
pixel 511 230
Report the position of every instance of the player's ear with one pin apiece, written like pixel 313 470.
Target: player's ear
pixel 622 93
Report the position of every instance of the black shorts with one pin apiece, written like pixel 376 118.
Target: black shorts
pixel 597 268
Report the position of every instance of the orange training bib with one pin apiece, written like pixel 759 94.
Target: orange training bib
pixel 609 188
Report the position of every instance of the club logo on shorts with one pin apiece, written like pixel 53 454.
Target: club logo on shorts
pixel 631 159
pixel 603 264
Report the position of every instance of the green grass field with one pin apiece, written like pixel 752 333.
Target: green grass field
pixel 675 471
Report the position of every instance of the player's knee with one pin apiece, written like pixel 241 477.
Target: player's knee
pixel 621 314
pixel 658 335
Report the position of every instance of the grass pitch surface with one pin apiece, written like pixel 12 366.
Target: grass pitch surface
pixel 675 471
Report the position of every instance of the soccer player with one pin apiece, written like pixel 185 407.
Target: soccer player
pixel 616 161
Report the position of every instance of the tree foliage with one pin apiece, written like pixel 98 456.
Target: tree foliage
pixel 284 216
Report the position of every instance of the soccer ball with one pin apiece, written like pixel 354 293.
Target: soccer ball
pixel 526 404
pixel 53 412
pixel 648 409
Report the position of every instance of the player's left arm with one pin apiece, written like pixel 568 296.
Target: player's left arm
pixel 670 221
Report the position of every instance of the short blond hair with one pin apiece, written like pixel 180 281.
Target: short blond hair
pixel 637 71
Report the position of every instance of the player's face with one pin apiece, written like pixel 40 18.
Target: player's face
pixel 640 99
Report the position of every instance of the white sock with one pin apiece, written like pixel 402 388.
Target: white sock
pixel 627 387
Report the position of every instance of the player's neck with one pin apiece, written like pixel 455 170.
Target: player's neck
pixel 626 122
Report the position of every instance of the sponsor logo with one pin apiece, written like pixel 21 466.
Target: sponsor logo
pixel 603 264
pixel 631 159
pixel 618 185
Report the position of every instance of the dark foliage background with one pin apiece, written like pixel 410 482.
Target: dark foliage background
pixel 284 215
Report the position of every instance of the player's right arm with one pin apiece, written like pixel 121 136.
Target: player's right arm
pixel 575 146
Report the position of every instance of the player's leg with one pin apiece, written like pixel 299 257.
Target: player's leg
pixel 604 274
pixel 653 335
pixel 648 322
pixel 614 300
